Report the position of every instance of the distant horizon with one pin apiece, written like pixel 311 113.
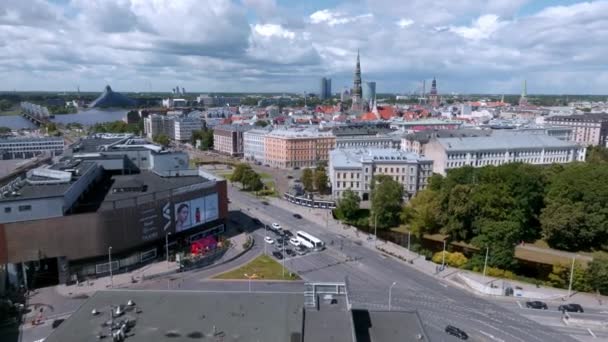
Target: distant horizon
pixel 255 46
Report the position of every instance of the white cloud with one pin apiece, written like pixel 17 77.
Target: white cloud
pixel 482 28
pixel 273 30
pixel 405 22
pixel 336 18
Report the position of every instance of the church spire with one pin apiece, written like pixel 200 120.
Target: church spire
pixel 357 92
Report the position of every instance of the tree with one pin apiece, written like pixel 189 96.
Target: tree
pixel 307 180
pixel 5 105
pixel 348 205
pixel 320 179
pixel 251 180
pixel 560 277
pixel 162 139
pixel 261 123
pixel 598 274
pixel 422 213
pixel 239 172
pixel 501 237
pixel 597 154
pixel 4 130
pixel 207 140
pixel 387 197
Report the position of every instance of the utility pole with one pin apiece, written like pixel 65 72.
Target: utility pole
pixel 265 236
pixel 390 289
pixel 376 228
pixel 110 265
pixel 409 235
pixel 571 276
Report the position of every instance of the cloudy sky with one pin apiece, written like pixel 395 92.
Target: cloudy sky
pixel 482 46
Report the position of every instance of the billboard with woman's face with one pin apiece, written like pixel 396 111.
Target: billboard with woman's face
pixel 183 219
pixel 197 211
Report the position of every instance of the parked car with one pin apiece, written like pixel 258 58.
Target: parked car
pixel 536 305
pixel 276 226
pixel 289 177
pixel 290 252
pixel 265 203
pixel 298 216
pixel 287 233
pixel 572 307
pixel 294 241
pixel 452 330
pixel 269 240
pixel 277 255
pixel 301 251
pixel 280 241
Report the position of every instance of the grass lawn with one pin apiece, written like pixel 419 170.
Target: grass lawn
pixel 15 111
pixel 264 267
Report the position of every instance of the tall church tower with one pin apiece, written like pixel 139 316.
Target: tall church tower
pixel 523 100
pixel 433 97
pixel 357 92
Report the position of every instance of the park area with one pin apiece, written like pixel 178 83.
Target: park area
pixel 263 267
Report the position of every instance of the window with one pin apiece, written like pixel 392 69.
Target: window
pixel 25 207
pixel 7 209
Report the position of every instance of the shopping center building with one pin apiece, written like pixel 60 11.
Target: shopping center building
pixel 118 194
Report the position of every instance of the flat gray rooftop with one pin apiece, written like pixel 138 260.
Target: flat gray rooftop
pixel 182 316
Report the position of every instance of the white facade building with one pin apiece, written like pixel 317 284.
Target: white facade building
pixel 16 148
pixel 498 149
pixel 354 169
pixel 253 144
pixel 183 127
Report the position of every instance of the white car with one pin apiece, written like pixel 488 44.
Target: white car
pixel 269 240
pixel 294 241
pixel 276 226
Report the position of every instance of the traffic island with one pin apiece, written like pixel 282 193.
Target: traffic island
pixel 261 268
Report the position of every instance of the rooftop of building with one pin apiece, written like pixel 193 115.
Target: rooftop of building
pixel 234 317
pixel 233 128
pixel 53 181
pixel 503 141
pixel 299 133
pixel 354 158
pixel 361 129
pixel 14 139
pixel 425 136
pixel 96 143
pixel 586 117
pixel 429 121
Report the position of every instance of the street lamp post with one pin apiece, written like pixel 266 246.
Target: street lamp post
pixel 485 264
pixel 390 292
pixel 283 260
pixel 571 275
pixel 110 265
pixel 443 255
pixel 265 236
pixel 409 235
pixel 376 228
pixel 167 247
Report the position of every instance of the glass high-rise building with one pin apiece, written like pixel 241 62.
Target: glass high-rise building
pixel 325 90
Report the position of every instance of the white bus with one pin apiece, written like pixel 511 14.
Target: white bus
pixel 310 241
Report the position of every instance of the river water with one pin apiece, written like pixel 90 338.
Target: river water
pixel 84 117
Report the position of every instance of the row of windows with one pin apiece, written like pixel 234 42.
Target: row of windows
pixel 21 208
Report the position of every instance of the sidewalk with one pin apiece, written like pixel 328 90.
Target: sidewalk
pixel 452 275
pixel 126 279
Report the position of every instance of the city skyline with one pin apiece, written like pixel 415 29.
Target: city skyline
pixel 473 46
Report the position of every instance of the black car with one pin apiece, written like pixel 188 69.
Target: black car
pixel 264 203
pixel 452 330
pixel 298 216
pixel 287 233
pixel 289 177
pixel 277 255
pixel 57 323
pixel 290 252
pixel 570 308
pixel 536 305
pixel 280 241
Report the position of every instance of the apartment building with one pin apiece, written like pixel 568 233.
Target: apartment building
pixel 588 129
pixel 253 144
pixel 416 142
pixel 354 169
pixel 184 126
pixel 228 139
pixel 178 128
pixel 286 148
pixel 498 149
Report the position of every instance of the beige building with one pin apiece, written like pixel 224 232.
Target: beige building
pixel 498 149
pixel 286 148
pixel 588 129
pixel 228 139
pixel 354 169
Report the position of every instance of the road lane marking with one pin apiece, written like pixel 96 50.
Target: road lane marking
pixel 591 333
pixel 491 336
pixel 519 303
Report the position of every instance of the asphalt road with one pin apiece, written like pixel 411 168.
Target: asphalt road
pixel 371 274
